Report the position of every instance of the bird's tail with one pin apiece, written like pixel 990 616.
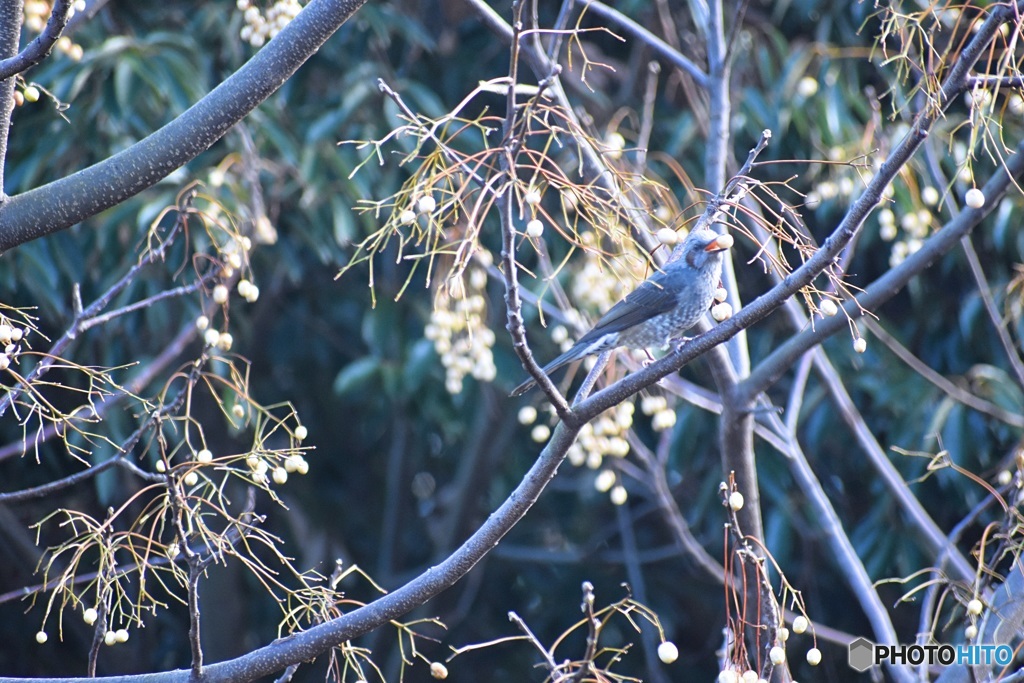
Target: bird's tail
pixel 575 353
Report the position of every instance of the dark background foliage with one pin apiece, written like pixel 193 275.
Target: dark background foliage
pixel 402 470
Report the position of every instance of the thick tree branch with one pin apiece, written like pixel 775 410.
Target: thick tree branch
pixel 70 200
pixel 40 47
pixel 885 287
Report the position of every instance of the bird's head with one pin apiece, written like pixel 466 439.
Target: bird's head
pixel 704 248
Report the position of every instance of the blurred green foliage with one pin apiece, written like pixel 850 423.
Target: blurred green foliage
pixel 402 470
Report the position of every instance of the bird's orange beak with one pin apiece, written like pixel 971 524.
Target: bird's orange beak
pixel 722 243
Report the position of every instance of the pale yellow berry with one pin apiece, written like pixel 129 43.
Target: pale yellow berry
pixel 800 624
pixel 807 87
pixel 616 143
pixel 619 495
pixel 527 415
pixel 160 466
pixel 303 467
pixel 252 460
pixel 426 204
pixel 971 632
pixel 224 341
pixel 291 463
pixel 814 656
pixel 41 637
pixel 407 217
pixel 301 433
pixel 220 294
pixel 532 197
pixel 860 344
pixel 722 311
pixel 667 236
pixel 721 294
pixel 204 456
pixel 540 433
pixel 6 334
pixel 535 228
pixel 728 676
pixel 974 607
pixel 438 670
pixel 777 655
pixel 736 501
pixel 191 479
pixel 975 198
pixel 1004 477
pixel 109 638
pixel 828 307
pixel 202 323
pixel 244 287
pixel 211 337
pixel 121 635
pixel 17 333
pixel 782 634
pixel 668 652
pixel 930 196
pixel 749 676
pixel 259 478
pixel 280 475
pixel 5 361
pixel 663 419
pixel 238 410
pixel 604 481
pixel 31 94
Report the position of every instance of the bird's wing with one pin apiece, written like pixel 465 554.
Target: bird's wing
pixel 643 303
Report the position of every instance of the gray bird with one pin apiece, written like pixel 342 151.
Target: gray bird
pixel 662 308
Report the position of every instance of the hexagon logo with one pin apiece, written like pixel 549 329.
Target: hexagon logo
pixel 862 654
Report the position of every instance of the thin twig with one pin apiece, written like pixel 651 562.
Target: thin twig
pixel 955 392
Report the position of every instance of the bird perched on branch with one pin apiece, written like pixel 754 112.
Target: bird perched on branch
pixel 662 308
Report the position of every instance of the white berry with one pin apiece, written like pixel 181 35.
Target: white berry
pixel 301 433
pixel 407 217
pixel 975 198
pixel 828 307
pixel 800 624
pixel 535 228
pixel 90 616
pixel 974 607
pixel 527 415
pixel 220 294
pixel 41 637
pixel 668 652
pixel 814 656
pixel 619 495
pixel 204 456
pixel 667 236
pixel 426 204
pixel 777 655
pixel 736 501
pixel 722 311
